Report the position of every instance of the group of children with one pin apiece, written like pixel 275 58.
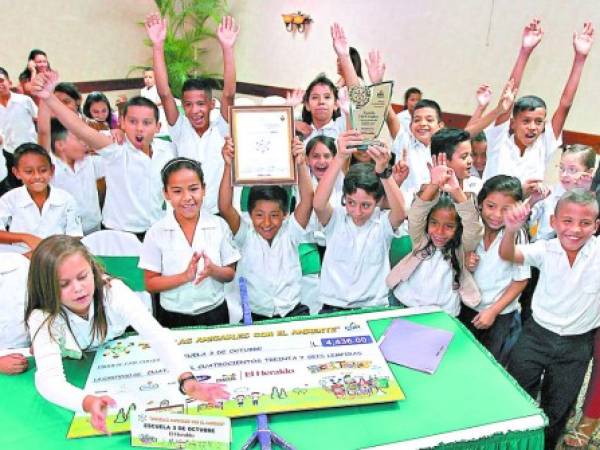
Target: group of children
pixel 470 200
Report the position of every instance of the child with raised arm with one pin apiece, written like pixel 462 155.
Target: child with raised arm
pixel 72 306
pixel 358 234
pixel 37 209
pixel 269 241
pixel 13 292
pixel 193 134
pixel 526 151
pixel 553 352
pixel 134 199
pixel 188 255
pixel 443 225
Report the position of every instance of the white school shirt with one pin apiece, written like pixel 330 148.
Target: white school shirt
pixel 207 150
pixel 357 260
pixel 493 275
pixel 417 155
pixel 167 251
pixel 13 292
pixel 16 121
pixel 273 272
pixel 3 170
pixel 123 308
pixel 405 118
pixel 431 284
pixel 472 185
pixel 541 212
pixel 134 191
pixel 566 300
pixel 151 93
pixel 504 157
pixel 332 129
pixel 474 172
pixel 80 182
pixel 335 199
pixel 59 214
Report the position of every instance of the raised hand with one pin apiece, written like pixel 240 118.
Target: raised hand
pixel 583 180
pixel 345 139
pixel 381 155
pixel 509 93
pixel 538 193
pixel 438 171
pixel 400 170
pixel 375 66
pixel 530 185
pixel 532 34
pixel 227 32
pixel 582 42
pixel 294 98
pixel 483 95
pixel 42 86
pixel 298 151
pixel 156 28
pixel 340 43
pixel 228 151
pixel 516 216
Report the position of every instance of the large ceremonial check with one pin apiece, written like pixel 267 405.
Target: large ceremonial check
pixel 262 138
pixel 269 368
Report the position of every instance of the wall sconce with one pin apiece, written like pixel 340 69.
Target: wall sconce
pixel 296 21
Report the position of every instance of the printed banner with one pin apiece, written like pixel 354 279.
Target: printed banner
pixel 267 368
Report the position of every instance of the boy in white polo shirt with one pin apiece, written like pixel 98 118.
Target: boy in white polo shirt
pixel 17 116
pixel 269 241
pixel 78 173
pixel 193 134
pixel 13 292
pixel 134 199
pixel 557 341
pixel 36 210
pixel 525 153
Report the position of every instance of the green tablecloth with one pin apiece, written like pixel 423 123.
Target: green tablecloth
pixel 469 389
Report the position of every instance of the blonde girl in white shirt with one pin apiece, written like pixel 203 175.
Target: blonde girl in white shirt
pixel 189 254
pixel 71 306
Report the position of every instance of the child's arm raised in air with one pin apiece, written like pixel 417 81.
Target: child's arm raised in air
pixel 381 156
pixel 156 27
pixel 304 208
pixel 325 187
pixel 225 201
pixel 43 127
pixel 532 35
pixel 342 50
pixel 483 95
pixel 43 87
pixel 582 43
pixel 227 35
pixel 475 126
pixel 514 218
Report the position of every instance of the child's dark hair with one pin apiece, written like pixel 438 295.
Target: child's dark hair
pixel 58 132
pixel 180 163
pixel 362 176
pixel 198 84
pixel 43 289
pixel 271 193
pixel 29 148
pixel 585 153
pixel 25 76
pixel 141 101
pixel 356 62
pixel 449 250
pixel 410 91
pixel 35 52
pixel 148 69
pixel 327 141
pixel 504 184
pixel 445 141
pixel 4 72
pixel 69 89
pixel 96 97
pixel 426 103
pixel 528 103
pixel 321 79
pixel 479 137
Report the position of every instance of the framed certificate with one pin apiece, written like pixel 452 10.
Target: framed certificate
pixel 262 138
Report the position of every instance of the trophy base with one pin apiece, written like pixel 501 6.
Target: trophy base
pixel 364 145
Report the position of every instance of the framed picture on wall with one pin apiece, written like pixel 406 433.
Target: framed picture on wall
pixel 262 138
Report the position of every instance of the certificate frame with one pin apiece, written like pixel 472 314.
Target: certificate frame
pixel 262 138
